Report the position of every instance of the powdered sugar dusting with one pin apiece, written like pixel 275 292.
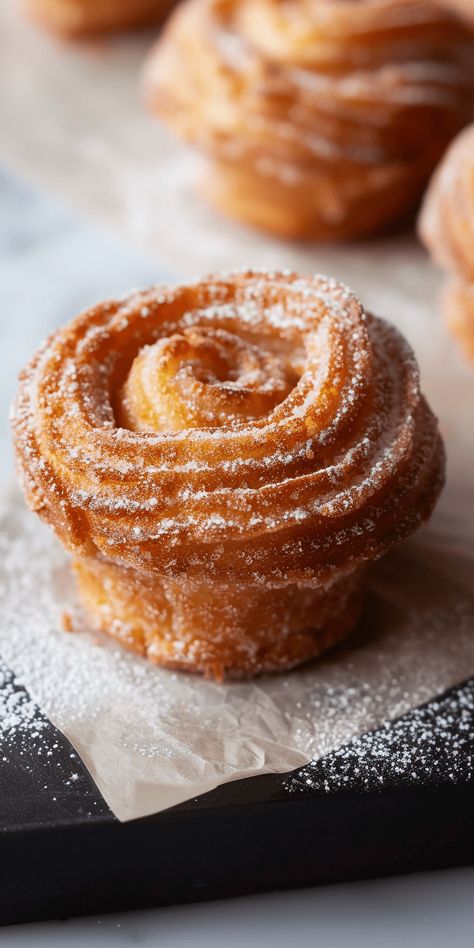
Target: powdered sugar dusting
pixel 152 739
pixel 271 401
pixel 435 742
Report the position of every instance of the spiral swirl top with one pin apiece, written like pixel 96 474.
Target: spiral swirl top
pixel 343 35
pixel 255 425
pixel 201 377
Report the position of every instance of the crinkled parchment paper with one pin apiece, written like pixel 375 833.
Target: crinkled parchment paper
pixel 151 738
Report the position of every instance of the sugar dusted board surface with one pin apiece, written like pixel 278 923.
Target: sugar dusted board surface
pixel 431 746
pixel 396 800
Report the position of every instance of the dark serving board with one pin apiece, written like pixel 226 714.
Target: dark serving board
pixel 396 800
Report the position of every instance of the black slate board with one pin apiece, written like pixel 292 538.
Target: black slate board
pixel 398 800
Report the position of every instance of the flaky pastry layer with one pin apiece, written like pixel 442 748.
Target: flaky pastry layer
pixel 224 630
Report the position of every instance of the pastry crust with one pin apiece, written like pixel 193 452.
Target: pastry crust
pixel 222 629
pixel 75 18
pixel 223 459
pixel 320 118
pixel 447 228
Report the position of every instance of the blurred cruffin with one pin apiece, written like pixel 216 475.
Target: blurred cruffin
pixel 447 228
pixel 320 118
pixel 77 18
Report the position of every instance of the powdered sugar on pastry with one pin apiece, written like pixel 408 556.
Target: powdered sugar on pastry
pixel 252 432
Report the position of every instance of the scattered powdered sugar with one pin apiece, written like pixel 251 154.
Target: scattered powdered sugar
pixel 432 743
pixel 32 750
pixel 151 738
pixel 19 718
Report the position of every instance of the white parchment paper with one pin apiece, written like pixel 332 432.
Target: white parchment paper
pixel 72 123
pixel 151 738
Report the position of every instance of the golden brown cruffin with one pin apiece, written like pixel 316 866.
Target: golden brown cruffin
pixel 319 118
pixel 223 459
pixel 75 18
pixel 447 228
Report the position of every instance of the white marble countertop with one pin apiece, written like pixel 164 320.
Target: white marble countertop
pixel 52 264
pixel 425 911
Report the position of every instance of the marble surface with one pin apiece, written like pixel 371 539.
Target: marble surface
pixel 51 265
pixel 423 911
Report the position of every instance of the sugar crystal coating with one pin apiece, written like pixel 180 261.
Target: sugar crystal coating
pixel 256 430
